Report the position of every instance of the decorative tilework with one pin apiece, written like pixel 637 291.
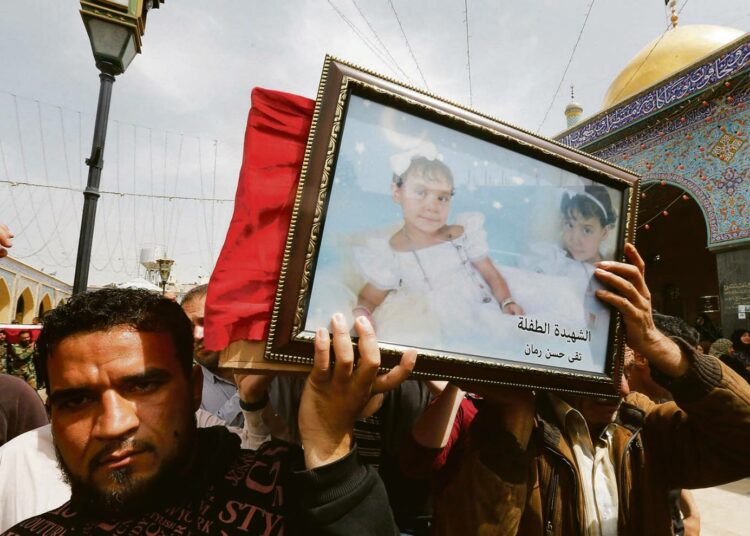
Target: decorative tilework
pixel 663 96
pixel 727 147
pixel 687 151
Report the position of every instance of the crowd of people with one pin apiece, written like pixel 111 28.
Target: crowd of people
pixel 143 432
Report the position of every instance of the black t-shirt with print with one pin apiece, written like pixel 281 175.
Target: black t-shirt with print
pixel 233 491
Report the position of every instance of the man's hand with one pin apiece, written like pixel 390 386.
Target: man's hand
pixel 336 393
pixel 631 297
pixel 5 239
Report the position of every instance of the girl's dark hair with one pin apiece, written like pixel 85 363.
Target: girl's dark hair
pixel 588 208
pixel 430 170
pixel 108 308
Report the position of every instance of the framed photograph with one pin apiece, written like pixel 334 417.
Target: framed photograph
pixel 464 237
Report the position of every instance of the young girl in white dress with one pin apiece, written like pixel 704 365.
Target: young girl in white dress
pixel 587 218
pixel 442 288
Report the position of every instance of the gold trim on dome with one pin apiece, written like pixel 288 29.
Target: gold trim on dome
pixel 668 54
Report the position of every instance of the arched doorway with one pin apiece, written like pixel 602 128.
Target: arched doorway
pixel 44 306
pixel 680 270
pixel 25 307
pixel 4 302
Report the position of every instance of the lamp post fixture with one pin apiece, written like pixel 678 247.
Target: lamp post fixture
pixel 114 28
pixel 165 268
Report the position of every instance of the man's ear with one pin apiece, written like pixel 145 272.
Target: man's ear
pixel 197 380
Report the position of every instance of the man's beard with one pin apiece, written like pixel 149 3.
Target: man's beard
pixel 129 495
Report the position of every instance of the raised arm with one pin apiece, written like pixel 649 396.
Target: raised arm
pixel 343 496
pixel 701 438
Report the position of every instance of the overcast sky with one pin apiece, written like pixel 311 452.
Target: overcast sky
pixel 178 114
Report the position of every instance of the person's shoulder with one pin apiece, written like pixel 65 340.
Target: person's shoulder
pixel 13 387
pixel 38 439
pixel 637 400
pixel 12 382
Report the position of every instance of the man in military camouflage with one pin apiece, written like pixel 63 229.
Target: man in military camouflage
pixel 22 358
pixel 4 352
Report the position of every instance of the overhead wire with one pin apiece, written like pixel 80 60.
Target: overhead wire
pixel 173 206
pixel 213 207
pixel 645 59
pixel 55 223
pixel 361 36
pixel 468 50
pixel 151 184
pixel 14 183
pixel 380 42
pixel 118 242
pixel 114 253
pixel 408 45
pixel 68 176
pixel 34 219
pixel 135 189
pixel 203 206
pixel 567 66
pixel 22 230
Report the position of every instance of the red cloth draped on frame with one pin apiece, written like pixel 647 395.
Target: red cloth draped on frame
pixel 243 284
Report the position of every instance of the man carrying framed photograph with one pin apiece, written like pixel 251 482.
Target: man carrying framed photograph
pixel 117 364
pixel 562 464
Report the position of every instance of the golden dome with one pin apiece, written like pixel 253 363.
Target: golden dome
pixel 679 48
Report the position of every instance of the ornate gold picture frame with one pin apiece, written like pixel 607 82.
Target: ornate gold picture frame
pixel 459 235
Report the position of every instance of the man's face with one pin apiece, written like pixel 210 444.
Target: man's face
pixel 122 415
pixel 582 236
pixel 3 336
pixel 745 337
pixel 24 339
pixel 195 311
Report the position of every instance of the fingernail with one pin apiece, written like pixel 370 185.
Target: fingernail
pixel 603 264
pixel 338 320
pixel 322 334
pixel 364 322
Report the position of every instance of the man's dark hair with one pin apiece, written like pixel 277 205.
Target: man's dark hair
pixel 195 293
pixel 673 326
pixel 26 331
pixel 105 309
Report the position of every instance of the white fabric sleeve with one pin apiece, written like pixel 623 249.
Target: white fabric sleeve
pixel 474 233
pixel 255 432
pixel 376 261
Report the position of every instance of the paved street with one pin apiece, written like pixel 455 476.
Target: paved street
pixel 725 510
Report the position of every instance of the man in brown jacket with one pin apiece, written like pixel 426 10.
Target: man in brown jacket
pixel 569 465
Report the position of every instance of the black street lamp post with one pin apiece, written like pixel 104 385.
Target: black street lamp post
pixel 114 28
pixel 91 194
